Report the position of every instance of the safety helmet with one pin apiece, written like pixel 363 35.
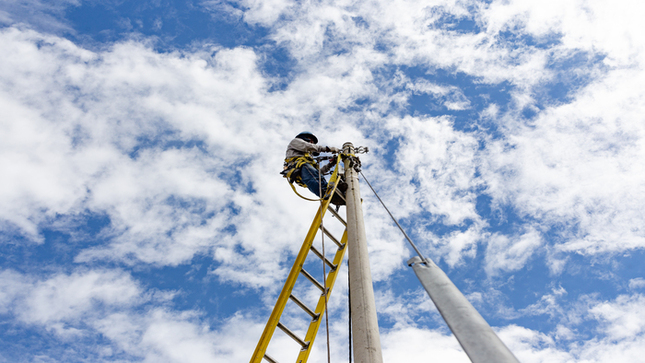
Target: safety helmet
pixel 307 135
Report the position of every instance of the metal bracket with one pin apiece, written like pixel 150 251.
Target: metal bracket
pixel 362 150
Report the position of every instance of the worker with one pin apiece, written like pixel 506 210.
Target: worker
pixel 299 166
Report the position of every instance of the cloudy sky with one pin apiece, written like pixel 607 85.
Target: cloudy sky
pixel 143 217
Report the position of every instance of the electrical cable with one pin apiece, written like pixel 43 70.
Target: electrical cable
pixel 349 310
pixel 394 219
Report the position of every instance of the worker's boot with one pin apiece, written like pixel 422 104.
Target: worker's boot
pixel 339 197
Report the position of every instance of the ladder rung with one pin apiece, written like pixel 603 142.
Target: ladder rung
pixel 293 336
pixel 329 263
pixel 332 237
pixel 313 280
pixel 269 358
pixel 304 307
pixel 333 211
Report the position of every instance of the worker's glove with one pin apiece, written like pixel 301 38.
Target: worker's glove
pixel 332 149
pixel 326 168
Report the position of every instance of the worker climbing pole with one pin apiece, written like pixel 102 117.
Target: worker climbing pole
pixel 303 169
pixel 479 341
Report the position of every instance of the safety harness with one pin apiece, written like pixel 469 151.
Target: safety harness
pixel 294 164
pixel 291 171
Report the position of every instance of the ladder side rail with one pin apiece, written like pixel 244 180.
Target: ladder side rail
pixel 274 318
pixel 310 336
pixel 283 298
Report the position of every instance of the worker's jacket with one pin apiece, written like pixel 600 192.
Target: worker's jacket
pixel 299 147
pixel 298 154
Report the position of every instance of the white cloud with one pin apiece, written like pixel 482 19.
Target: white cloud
pixel 41 15
pixel 441 162
pixel 64 299
pixel 579 166
pixel 134 321
pixel 404 33
pixel 457 245
pixel 413 344
pixel 614 29
pixel 223 101
pixel 12 285
pixel 503 253
pixel 618 336
pixel 550 304
pixel 622 318
pixel 94 133
pixel 621 328
pixel 101 162
pixel 531 346
pixel 70 297
pixel 451 96
pixel 222 9
pixel 388 250
pixel 549 170
pixel 431 180
pixel 636 283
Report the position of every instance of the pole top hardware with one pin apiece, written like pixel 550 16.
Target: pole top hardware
pixel 354 161
pixel 414 260
pixel 349 152
pixel 361 150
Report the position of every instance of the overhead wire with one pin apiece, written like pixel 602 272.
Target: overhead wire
pixel 394 219
pixel 349 313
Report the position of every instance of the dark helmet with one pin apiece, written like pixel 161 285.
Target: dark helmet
pixel 307 136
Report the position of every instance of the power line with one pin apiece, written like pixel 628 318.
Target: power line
pixel 394 219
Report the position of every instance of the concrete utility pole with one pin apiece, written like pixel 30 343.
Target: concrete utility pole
pixel 365 334
pixel 479 341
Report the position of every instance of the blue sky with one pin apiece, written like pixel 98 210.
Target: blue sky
pixel 143 217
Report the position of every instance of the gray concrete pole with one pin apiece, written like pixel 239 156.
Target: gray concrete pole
pixel 365 333
pixel 479 341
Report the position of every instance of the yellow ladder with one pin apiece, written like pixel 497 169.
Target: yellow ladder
pixel 286 294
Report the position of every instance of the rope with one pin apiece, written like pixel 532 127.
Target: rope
pixel 322 235
pixel 319 185
pixel 394 219
pixel 305 198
